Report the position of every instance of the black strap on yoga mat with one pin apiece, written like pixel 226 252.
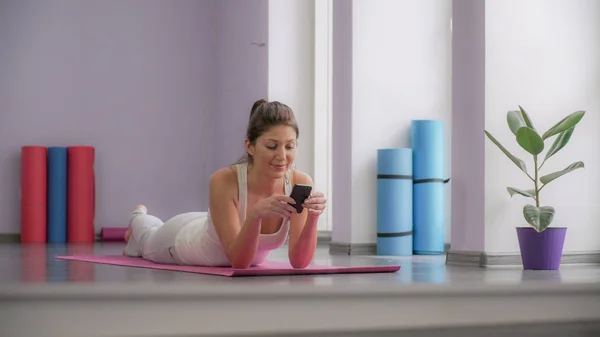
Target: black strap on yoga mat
pixel 431 180
pixel 409 177
pixel 394 235
pixel 394 176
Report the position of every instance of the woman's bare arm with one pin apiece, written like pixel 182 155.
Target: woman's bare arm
pixel 240 242
pixel 303 231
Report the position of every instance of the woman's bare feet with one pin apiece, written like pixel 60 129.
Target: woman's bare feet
pixel 127 236
pixel 138 209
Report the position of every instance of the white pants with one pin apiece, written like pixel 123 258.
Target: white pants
pixel 156 241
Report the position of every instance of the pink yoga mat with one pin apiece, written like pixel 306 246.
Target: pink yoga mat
pixel 266 269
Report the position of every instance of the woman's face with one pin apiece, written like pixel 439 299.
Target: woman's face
pixel 274 151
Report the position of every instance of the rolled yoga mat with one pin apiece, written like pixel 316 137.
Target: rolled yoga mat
pixel 57 194
pixel 80 194
pixel 113 234
pixel 33 194
pixel 394 202
pixel 427 142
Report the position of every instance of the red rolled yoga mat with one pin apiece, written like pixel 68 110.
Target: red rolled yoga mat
pixel 80 194
pixel 33 194
pixel 265 269
pixel 113 234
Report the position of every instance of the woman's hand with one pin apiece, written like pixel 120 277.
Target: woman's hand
pixel 276 205
pixel 315 204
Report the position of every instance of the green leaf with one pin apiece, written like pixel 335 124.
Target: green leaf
pixel 530 141
pixel 520 164
pixel 526 193
pixel 564 124
pixel 559 142
pixel 549 177
pixel 526 118
pixel 515 120
pixel 538 217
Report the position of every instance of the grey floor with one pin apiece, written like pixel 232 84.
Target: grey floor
pixel 35 263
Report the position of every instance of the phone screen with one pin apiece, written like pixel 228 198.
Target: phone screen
pixel 300 192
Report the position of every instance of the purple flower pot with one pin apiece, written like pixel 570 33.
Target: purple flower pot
pixel 541 251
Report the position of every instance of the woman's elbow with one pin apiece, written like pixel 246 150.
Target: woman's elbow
pixel 238 260
pixel 241 263
pixel 300 263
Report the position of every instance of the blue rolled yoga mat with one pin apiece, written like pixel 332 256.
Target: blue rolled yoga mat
pixel 427 141
pixel 57 194
pixel 394 202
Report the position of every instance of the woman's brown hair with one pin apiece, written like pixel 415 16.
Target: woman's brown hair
pixel 265 115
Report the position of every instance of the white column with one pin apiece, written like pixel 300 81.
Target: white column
pixel 468 121
pixel 341 231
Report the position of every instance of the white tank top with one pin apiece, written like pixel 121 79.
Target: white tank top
pixel 199 244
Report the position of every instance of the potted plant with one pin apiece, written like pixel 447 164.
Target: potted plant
pixel 541 246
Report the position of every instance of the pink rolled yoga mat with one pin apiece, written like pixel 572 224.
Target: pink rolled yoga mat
pixel 113 234
pixel 265 269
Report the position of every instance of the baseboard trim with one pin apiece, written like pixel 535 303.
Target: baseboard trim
pixel 483 259
pixel 341 248
pixel 10 238
pixel 16 238
pixel 323 238
pixel 338 248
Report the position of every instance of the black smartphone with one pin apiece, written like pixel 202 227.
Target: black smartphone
pixel 300 192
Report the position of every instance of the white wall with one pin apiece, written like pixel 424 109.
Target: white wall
pixel 400 70
pixel 392 61
pixel 291 68
pixel 545 56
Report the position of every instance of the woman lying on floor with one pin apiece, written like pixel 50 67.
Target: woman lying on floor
pixel 249 215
